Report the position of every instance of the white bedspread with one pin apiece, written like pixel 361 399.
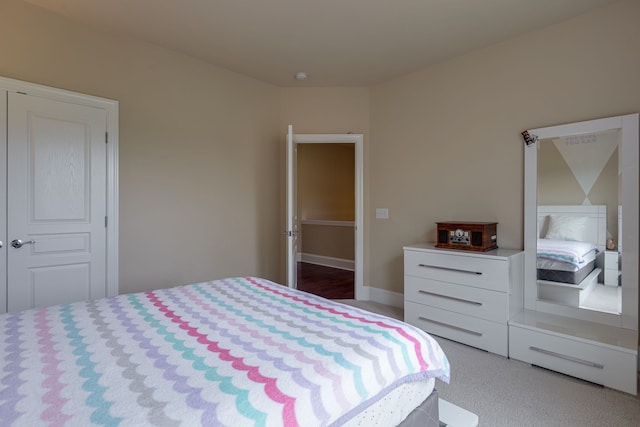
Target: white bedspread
pixel 233 352
pixel 564 254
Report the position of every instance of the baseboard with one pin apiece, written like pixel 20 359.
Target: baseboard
pixel 344 264
pixel 383 296
pixel 369 293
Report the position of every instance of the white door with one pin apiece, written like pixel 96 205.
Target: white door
pixel 56 202
pixel 291 232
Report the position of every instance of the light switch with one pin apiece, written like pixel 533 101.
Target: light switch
pixel 382 213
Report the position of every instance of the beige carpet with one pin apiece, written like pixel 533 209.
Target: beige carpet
pixel 509 393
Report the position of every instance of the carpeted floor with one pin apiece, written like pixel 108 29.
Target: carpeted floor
pixel 509 393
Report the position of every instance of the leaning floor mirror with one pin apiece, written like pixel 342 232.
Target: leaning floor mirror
pixel 580 313
pixel 581 221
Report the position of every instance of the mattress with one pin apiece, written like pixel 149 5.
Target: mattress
pixel 565 261
pixel 563 276
pixel 236 352
pixel 395 407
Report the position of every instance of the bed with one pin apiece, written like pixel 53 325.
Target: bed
pixel 569 241
pixel 565 261
pixel 236 351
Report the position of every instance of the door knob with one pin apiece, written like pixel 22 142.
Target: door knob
pixel 18 243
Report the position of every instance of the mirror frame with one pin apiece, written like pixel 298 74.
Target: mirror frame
pixel 628 124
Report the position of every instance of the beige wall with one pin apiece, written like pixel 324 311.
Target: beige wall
pixel 328 241
pixel 199 148
pixel 328 110
pixel 326 182
pixel 445 142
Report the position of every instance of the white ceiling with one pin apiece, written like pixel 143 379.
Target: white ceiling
pixel 336 42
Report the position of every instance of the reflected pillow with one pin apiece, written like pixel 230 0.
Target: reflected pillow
pixel 564 227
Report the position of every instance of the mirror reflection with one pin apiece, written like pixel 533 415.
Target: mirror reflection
pixel 579 218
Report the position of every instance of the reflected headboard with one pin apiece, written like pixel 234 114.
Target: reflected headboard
pixel 596 229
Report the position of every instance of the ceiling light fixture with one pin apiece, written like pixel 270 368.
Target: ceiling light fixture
pixel 301 76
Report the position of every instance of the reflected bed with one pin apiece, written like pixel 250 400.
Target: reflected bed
pixel 570 237
pixel 565 261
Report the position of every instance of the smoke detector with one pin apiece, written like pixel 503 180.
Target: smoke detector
pixel 301 76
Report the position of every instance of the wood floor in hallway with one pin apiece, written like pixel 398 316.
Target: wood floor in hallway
pixel 328 282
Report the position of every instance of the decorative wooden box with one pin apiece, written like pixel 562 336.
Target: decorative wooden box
pixel 468 236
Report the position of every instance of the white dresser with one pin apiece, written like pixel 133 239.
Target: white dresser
pixel 598 353
pixel 463 296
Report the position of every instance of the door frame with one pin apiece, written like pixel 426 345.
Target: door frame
pixel 112 108
pixel 291 219
pixel 361 292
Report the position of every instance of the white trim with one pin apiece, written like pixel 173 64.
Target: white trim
pixel 383 296
pixel 291 223
pixel 113 165
pixel 3 199
pixel 327 261
pixel 579 128
pixel 328 223
pixel 361 292
pixel 34 89
pixel 630 246
pixel 112 108
pixel 327 138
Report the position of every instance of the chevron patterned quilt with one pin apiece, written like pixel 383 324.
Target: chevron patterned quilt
pixel 232 352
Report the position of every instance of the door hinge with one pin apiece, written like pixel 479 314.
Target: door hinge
pixel 106 222
pixel 106 137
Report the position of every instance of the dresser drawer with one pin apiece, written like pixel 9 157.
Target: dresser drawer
pixel 479 333
pixel 595 363
pixel 476 302
pixel 467 270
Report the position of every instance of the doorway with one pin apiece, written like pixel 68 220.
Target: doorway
pixel 326 211
pixel 331 220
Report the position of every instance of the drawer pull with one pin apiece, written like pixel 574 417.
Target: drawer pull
pixel 478 334
pixel 459 270
pixel 448 297
pixel 569 358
